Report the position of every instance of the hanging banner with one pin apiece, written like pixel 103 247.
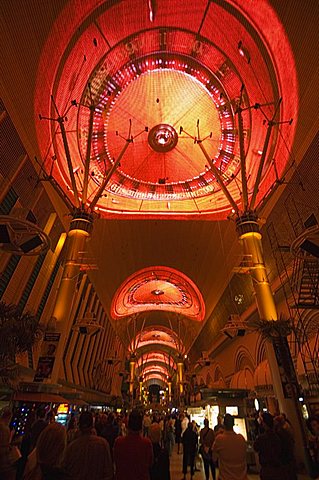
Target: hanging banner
pixel 46 360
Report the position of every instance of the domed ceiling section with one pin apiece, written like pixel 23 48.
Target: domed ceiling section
pixel 161 289
pixel 156 358
pixel 156 337
pixel 158 80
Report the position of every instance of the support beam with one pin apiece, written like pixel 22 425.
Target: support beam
pixel 109 175
pixel 261 166
pixel 69 162
pixel 242 160
pixel 88 157
pixel 218 177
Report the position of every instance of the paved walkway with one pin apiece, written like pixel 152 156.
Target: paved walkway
pixel 177 474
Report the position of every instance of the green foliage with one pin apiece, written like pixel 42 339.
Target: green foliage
pixel 18 332
pixel 269 329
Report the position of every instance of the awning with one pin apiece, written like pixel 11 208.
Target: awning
pixel 77 401
pixel 39 397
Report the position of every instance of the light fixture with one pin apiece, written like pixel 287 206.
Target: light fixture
pixel 157 292
pixel 243 52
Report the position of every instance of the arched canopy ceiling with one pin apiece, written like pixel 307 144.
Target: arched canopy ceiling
pixel 157 337
pixel 155 380
pixel 158 288
pixel 157 361
pixel 162 71
pixel 171 71
pixel 158 357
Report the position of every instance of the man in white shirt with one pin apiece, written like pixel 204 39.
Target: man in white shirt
pixel 230 449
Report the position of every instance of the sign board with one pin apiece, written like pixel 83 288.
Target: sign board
pixel 46 360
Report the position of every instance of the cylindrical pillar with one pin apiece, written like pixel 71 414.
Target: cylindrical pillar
pixel 169 386
pixel 132 375
pixel 80 230
pixel 180 373
pixel 251 240
pixel 141 388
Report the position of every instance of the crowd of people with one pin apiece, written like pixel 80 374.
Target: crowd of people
pixel 99 446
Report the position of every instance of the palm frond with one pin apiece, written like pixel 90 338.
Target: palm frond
pixel 19 331
pixel 270 329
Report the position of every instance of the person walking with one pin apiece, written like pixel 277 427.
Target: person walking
pixel 7 467
pixel 45 460
pixel 133 454
pixel 285 433
pixel 178 432
pixel 37 427
pixel 230 449
pixel 160 468
pixel 270 450
pixel 146 424
pixel 219 427
pixel 207 438
pixel 190 442
pixel 169 436
pixel 88 457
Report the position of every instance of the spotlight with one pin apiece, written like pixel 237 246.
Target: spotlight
pixel 243 52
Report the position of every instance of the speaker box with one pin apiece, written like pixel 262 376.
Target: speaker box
pixel 310 247
pixel 4 234
pixel 31 244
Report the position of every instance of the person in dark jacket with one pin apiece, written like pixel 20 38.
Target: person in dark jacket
pixel 207 438
pixel 178 432
pixel 269 447
pixel 190 441
pixel 160 467
pixel 37 427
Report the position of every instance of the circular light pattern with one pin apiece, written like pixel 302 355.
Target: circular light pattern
pixel 158 288
pixel 160 93
pixel 162 138
pixel 139 77
pixel 157 292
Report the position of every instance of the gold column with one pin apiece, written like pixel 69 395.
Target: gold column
pixel 141 388
pixel 180 373
pixel 251 240
pixel 80 230
pixel 132 374
pixel 169 385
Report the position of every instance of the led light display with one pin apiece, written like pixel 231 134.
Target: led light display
pixel 158 288
pixel 165 84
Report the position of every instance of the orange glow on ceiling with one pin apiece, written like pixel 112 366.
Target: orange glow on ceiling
pixel 160 357
pixel 157 336
pixel 165 73
pixel 150 374
pixel 158 288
